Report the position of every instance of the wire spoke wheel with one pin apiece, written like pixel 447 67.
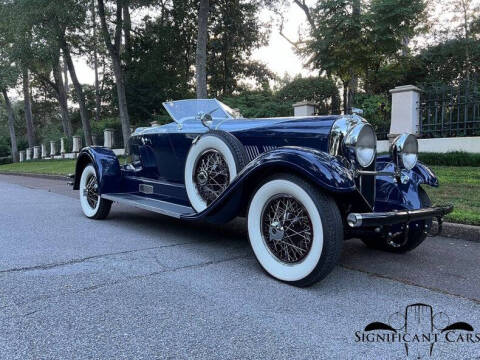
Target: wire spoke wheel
pixel 287 228
pixel 211 176
pixel 91 191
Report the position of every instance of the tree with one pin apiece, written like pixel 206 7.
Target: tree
pixel 235 32
pixel 47 28
pixel 115 50
pixel 320 90
pixel 28 106
pixel 159 71
pixel 201 54
pixel 8 78
pixel 349 42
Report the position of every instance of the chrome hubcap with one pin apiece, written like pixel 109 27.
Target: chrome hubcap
pixel 91 191
pixel 287 228
pixel 211 175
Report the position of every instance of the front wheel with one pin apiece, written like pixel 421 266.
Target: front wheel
pixel 93 206
pixel 295 230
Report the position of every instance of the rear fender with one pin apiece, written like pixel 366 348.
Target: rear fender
pixel 318 167
pixel 106 165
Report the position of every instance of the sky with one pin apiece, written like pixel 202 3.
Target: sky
pixel 278 54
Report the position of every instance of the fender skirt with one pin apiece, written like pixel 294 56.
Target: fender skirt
pixel 106 165
pixel 318 167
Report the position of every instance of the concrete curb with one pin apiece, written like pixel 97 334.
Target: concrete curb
pixel 461 231
pixel 41 176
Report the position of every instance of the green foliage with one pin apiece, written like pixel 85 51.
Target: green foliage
pixel 376 109
pixel 265 103
pixel 319 90
pixel 5 160
pixel 454 158
pixel 350 39
pixel 257 104
pixel 234 32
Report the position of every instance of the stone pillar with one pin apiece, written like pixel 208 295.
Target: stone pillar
pixel 132 129
pixel 36 152
pixel 77 144
pixel 405 110
pixel 22 155
pixel 44 151
pixel 62 147
pixel 304 108
pixel 108 138
pixel 28 153
pixel 53 148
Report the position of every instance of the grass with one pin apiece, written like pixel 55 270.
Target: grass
pixel 461 187
pixel 458 185
pixel 49 167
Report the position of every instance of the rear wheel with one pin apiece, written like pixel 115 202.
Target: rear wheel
pixel 398 243
pixel 295 230
pixel 93 206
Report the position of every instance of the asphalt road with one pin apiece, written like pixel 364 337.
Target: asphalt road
pixel 143 286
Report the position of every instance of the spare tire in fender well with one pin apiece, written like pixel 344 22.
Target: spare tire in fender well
pixel 228 154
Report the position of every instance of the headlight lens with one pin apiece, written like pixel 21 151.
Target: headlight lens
pixel 404 151
pixel 363 140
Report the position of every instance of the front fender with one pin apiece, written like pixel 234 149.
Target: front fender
pixel 318 167
pixel 321 168
pixel 393 195
pixel 106 165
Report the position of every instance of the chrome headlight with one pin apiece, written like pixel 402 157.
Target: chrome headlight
pixel 404 151
pixel 363 141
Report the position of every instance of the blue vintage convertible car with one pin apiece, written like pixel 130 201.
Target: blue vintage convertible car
pixel 304 183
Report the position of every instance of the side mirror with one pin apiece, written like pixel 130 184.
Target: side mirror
pixel 205 118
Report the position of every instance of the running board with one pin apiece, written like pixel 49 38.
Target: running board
pixel 158 206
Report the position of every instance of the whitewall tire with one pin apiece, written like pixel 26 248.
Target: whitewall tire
pixel 213 162
pixel 93 206
pixel 295 230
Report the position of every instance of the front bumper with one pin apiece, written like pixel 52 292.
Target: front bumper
pixel 356 220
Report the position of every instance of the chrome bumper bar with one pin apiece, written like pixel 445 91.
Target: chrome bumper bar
pixel 356 220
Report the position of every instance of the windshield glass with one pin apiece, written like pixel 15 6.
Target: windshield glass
pixel 182 110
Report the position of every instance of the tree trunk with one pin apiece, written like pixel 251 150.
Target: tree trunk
pixel 28 109
pixel 62 99
pixel 11 126
pixel 95 63
pixel 201 55
pixel 65 76
pixel 122 101
pixel 87 131
pixel 345 97
pixel 114 51
pixel 353 85
pixel 127 29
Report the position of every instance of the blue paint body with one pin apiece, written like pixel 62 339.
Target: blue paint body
pixel 291 145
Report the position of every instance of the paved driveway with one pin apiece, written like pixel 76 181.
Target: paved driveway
pixel 139 285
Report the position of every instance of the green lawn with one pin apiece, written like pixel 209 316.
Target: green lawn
pixel 461 187
pixel 458 185
pixel 50 167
